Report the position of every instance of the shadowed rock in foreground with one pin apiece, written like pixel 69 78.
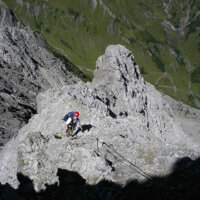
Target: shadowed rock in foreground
pixel 182 183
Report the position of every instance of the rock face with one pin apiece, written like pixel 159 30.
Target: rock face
pixel 26 68
pixel 131 132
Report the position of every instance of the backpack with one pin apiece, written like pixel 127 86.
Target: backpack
pixel 66 117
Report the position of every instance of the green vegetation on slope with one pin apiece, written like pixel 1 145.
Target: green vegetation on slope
pixel 195 75
pixel 162 38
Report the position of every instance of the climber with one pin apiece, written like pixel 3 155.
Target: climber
pixel 72 123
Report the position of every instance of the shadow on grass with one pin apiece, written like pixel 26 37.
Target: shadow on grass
pixel 183 183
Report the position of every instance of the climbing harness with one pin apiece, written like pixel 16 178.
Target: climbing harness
pixel 69 131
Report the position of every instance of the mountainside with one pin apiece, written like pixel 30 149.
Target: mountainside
pixel 164 36
pixel 137 142
pixel 26 68
pixel 131 131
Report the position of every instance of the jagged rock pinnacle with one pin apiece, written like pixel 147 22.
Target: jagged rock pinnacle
pixel 129 117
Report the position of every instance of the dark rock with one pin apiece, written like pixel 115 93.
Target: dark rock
pixel 26 68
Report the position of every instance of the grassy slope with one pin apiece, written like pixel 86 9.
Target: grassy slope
pixel 167 59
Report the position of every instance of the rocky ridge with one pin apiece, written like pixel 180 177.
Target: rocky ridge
pixel 26 68
pixel 131 131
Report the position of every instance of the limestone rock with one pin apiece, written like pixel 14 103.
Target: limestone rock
pixel 131 131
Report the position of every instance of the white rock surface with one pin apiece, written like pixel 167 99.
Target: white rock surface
pixel 139 132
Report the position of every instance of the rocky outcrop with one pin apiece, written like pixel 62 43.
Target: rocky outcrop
pixel 7 16
pixel 188 118
pixel 26 68
pixel 131 131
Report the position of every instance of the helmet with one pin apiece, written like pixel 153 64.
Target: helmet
pixel 76 114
